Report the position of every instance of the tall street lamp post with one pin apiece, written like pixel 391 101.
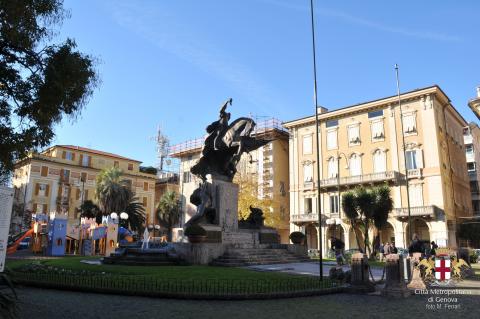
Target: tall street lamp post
pixel 317 127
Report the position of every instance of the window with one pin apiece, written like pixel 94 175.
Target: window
pixel 354 135
pixel 145 186
pixel 68 155
pixel 377 130
pixel 468 149
pixel 116 164
pixel 415 193
pixel 471 167
pixel 375 114
pixel 474 187
pixel 308 205
pixel 409 125
pixel 42 189
pixel 331 123
pixel 83 177
pixel 308 173
pixel 334 204
pixel 355 165
pixel 332 139
pixel 411 159
pixel 379 161
pixel 332 167
pixel 44 172
pixel 130 166
pixel 307 144
pixel 187 177
pixel 65 175
pixel 85 160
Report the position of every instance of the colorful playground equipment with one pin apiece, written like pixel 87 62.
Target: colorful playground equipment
pixel 52 236
pixel 57 234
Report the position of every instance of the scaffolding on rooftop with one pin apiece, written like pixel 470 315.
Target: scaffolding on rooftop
pixel 261 128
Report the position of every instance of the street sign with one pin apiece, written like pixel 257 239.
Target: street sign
pixel 6 201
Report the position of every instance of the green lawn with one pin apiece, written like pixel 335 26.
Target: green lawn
pixel 183 272
pixel 192 281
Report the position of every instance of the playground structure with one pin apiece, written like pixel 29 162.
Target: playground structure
pixel 49 236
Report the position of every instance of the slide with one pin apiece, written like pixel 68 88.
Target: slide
pixel 13 248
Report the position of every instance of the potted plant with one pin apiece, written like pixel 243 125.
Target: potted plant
pixel 195 233
pixel 297 237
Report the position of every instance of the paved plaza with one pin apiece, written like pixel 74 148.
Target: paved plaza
pixel 37 303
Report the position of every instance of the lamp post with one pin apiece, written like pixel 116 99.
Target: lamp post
pixel 404 159
pixel 317 127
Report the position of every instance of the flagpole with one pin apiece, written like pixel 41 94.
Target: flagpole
pixel 319 201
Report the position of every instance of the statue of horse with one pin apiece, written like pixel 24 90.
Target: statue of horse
pixel 225 145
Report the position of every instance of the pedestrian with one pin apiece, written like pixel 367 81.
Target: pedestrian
pixel 386 249
pixel 394 249
pixel 433 249
pixel 337 247
pixel 382 251
pixel 416 246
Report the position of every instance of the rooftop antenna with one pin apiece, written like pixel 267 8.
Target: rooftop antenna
pixel 162 145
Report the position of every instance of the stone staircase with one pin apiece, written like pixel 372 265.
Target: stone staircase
pixel 239 257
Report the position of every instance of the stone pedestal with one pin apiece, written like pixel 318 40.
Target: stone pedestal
pixel 417 282
pixel 394 277
pixel 360 275
pixel 225 201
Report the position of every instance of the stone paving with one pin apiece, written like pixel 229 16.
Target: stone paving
pixel 310 268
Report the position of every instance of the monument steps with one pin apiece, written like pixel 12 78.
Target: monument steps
pixel 262 256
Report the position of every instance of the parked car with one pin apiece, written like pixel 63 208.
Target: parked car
pixel 24 243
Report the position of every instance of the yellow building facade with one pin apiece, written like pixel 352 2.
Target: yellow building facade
pixel 364 144
pixel 60 178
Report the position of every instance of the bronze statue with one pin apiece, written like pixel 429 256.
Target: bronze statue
pixel 225 144
pixel 222 149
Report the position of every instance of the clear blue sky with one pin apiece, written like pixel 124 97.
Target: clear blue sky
pixel 172 63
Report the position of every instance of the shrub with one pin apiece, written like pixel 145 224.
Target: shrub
pixel 195 230
pixel 296 237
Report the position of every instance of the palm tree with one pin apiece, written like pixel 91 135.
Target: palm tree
pixel 168 212
pixel 136 216
pixel 112 193
pixel 369 207
pixel 349 207
pixel 91 210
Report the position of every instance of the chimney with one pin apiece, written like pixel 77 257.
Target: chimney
pixel 478 91
pixel 321 109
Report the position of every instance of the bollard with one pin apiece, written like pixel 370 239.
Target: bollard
pixel 394 279
pixel 360 280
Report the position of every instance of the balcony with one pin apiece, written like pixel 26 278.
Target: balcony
pixel 360 179
pixel 414 173
pixel 304 218
pixel 427 211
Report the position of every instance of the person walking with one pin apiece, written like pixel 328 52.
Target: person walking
pixel 382 251
pixel 416 246
pixel 433 249
pixel 337 247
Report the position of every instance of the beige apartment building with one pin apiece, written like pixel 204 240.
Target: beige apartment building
pixel 61 177
pixel 363 144
pixel 266 166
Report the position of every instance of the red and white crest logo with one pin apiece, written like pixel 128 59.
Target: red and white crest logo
pixel 442 269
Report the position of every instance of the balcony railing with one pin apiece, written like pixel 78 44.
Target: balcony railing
pixel 360 179
pixel 415 211
pixel 304 218
pixel 414 173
